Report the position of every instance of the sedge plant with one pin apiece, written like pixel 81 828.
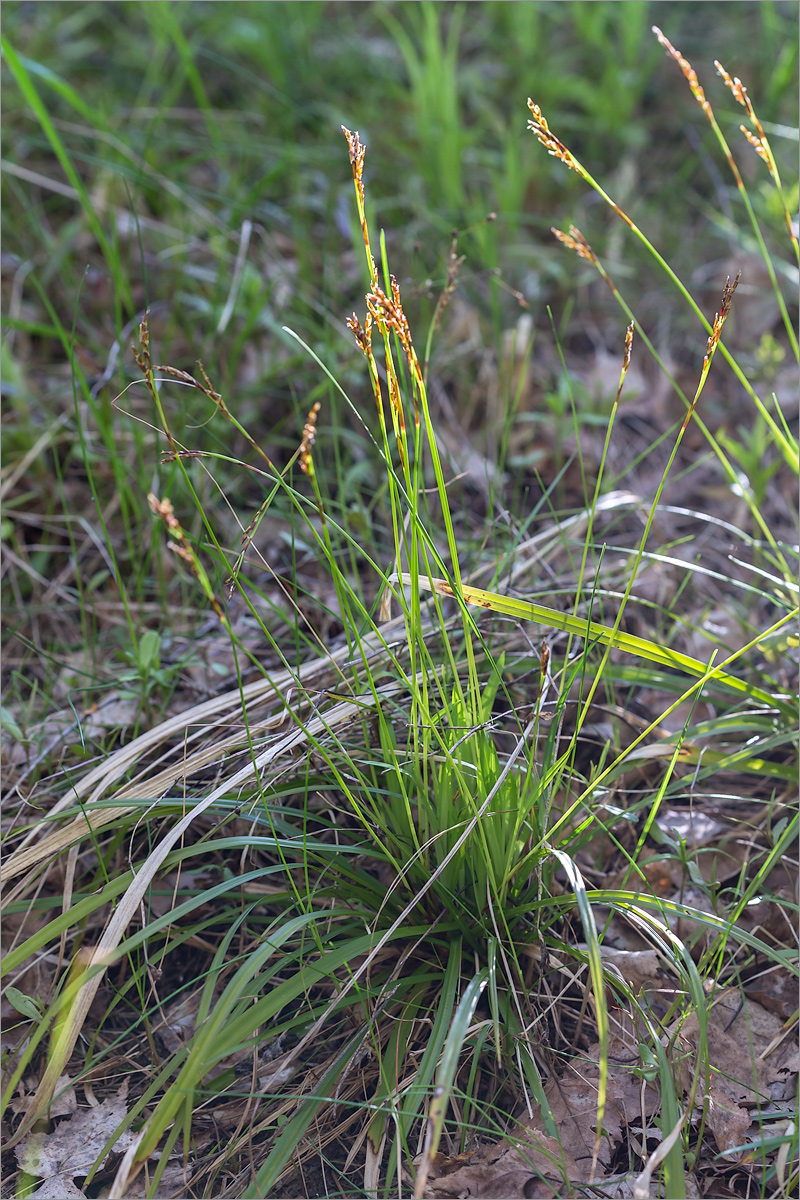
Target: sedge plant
pixel 409 914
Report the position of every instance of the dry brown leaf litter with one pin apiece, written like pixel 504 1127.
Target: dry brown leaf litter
pixel 751 1068
pixel 70 1150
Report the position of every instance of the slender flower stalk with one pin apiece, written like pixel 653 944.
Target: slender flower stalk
pixel 626 362
pixel 762 147
pixel 181 545
pixel 711 349
pixel 385 311
pixel 557 148
pixel 760 143
pixel 577 242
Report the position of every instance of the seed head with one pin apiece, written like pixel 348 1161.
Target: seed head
pixel 144 335
pixel 544 658
pixel 721 317
pixel 626 361
pixel 757 145
pixel 687 68
pixel 309 436
pixel 574 240
pixel 736 86
pixel 758 139
pixel 163 509
pixel 357 152
pixel 389 311
pixel 548 139
pixel 362 333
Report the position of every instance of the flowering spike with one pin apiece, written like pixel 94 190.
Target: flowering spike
pixel 362 333
pixel 548 139
pixel 574 240
pixel 357 152
pixel 721 317
pixel 626 361
pixel 687 68
pixel 309 436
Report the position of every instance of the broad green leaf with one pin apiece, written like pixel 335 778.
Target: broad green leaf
pixel 24 1004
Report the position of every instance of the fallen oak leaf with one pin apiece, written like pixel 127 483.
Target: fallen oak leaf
pixel 727 1121
pixel 740 1076
pixel 537 1165
pixel 527 1170
pixel 572 1101
pixel 58 1187
pixel 72 1148
pixel 776 992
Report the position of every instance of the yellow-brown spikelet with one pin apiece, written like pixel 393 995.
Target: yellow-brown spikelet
pixel 626 360
pixel 362 333
pixel 389 311
pixel 184 376
pixel 757 140
pixel 205 387
pixel 548 139
pixel 309 436
pixel 544 662
pixel 453 266
pixel 357 153
pixel 574 240
pixel 737 88
pixel 721 317
pixel 688 70
pixel 143 359
pixel 757 145
pixel 169 456
pixel 211 391
pixel 180 545
pixel 164 509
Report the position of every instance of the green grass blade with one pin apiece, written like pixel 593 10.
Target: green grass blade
pixel 446 1073
pixel 642 647
pixel 598 987
pixel 286 1144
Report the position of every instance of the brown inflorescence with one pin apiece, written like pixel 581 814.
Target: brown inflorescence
pixel 737 88
pixel 757 145
pixel 309 435
pixel 757 140
pixel 362 333
pixel 205 387
pixel 357 152
pixel 626 361
pixel 688 71
pixel 164 510
pixel 389 311
pixel 574 240
pixel 721 317
pixel 453 266
pixel 548 139
pixel 144 340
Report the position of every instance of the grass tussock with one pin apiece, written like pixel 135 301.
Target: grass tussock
pixel 429 836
